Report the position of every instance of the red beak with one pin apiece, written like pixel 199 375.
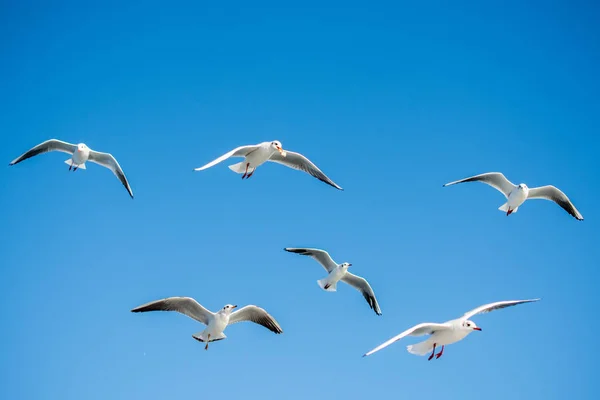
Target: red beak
pixel 477 329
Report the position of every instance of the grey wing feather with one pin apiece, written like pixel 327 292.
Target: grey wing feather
pixel 257 315
pixel 554 194
pixel 321 256
pixel 183 305
pixel 486 308
pixel 301 163
pixel 497 180
pixel 363 286
pixel 45 147
pixel 107 160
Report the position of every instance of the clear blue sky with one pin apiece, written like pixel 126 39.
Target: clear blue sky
pixel 391 101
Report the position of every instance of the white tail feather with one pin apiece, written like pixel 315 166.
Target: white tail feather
pixel 420 349
pixel 70 162
pixel 239 168
pixel 201 337
pixel 504 207
pixel 323 282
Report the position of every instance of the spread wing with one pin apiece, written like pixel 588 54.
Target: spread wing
pixel 486 308
pixel 257 315
pixel 301 163
pixel 554 194
pixel 108 161
pixel 241 151
pixel 48 145
pixel 363 286
pixel 495 179
pixel 184 305
pixel 426 328
pixel 321 256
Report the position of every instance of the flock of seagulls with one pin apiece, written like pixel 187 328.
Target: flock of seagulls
pixel 440 334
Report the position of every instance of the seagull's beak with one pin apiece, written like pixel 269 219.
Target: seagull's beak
pixel 234 306
pixel 280 150
pixel 349 264
pixel 477 329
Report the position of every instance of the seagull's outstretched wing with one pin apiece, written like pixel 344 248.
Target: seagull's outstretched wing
pixel 184 305
pixel 554 194
pixel 107 160
pixel 48 145
pixel 363 286
pixel 486 308
pixel 299 162
pixel 426 328
pixel 257 315
pixel 321 256
pixel 241 151
pixel 496 180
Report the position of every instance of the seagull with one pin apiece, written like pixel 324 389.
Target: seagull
pixel 339 272
pixel 215 322
pixel 80 154
pixel 257 154
pixel 517 194
pixel 446 333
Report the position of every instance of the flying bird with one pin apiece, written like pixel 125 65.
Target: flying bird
pixel 517 194
pixel 257 154
pixel 215 322
pixel 339 272
pixel 80 153
pixel 447 332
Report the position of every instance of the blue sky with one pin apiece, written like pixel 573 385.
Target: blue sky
pixel 391 101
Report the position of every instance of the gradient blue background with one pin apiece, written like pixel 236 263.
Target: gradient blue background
pixel 391 101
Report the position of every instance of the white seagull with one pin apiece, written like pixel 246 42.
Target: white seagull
pixel 517 194
pixel 339 272
pixel 257 154
pixel 446 333
pixel 215 322
pixel 80 153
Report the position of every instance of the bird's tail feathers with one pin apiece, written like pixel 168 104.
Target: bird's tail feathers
pixel 70 162
pixel 420 349
pixel 201 337
pixel 504 207
pixel 324 285
pixel 239 168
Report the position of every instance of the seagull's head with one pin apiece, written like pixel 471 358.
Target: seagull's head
pixel 227 309
pixel 81 147
pixel 345 265
pixel 470 325
pixel 276 144
pixel 522 186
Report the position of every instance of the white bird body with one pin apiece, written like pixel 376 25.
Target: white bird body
pixel 329 283
pixel 80 156
pixel 455 333
pixel 446 333
pixel 216 326
pixel 258 157
pixel 516 197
